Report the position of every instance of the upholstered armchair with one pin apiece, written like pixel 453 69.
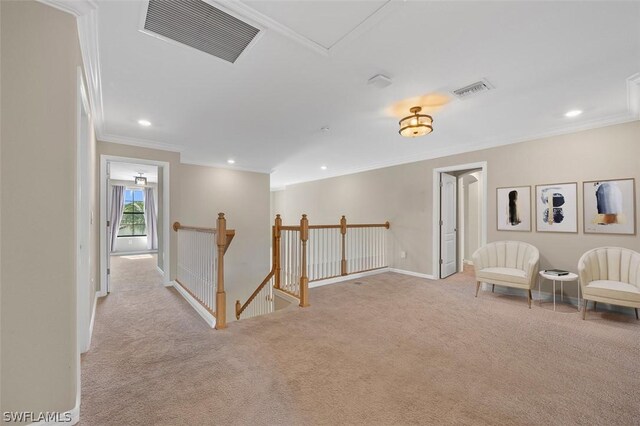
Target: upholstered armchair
pixel 610 275
pixel 507 263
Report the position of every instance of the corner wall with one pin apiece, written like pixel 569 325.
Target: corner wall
pixel 40 55
pixel 403 194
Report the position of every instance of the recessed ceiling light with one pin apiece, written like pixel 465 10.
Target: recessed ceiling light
pixel 231 161
pixel 325 128
pixel 145 123
pixel 573 113
pixel 323 167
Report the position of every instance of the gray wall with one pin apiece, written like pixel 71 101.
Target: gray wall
pixel 40 56
pixel 403 194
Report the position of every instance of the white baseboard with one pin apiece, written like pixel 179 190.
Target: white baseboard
pixel 286 296
pixel 91 322
pixel 468 262
pixel 133 253
pixel 74 417
pixel 413 274
pixel 206 315
pixel 355 276
pixel 160 270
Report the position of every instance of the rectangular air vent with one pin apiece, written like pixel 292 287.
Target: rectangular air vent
pixel 473 89
pixel 201 26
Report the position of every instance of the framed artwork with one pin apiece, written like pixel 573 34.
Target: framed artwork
pixel 514 208
pixel 609 206
pixel 557 207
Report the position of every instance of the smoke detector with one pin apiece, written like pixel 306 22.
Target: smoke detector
pixel 473 89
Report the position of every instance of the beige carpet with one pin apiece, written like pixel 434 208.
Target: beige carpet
pixel 392 350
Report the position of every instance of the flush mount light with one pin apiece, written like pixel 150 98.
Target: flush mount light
pixel 416 125
pixel 573 113
pixel 231 161
pixel 145 123
pixel 323 167
pixel 140 180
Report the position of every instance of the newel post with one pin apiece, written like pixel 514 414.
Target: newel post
pixel 343 232
pixel 276 249
pixel 221 296
pixel 304 280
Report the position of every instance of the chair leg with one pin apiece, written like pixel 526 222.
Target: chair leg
pixel 477 288
pixel 529 297
pixel 493 287
pixel 584 309
pixel 637 314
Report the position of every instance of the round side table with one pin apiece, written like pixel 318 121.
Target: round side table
pixel 560 278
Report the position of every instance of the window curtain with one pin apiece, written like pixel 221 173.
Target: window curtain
pixel 115 216
pixel 151 219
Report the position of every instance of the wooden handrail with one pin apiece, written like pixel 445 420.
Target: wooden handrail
pixel 276 266
pixel 223 238
pixel 241 308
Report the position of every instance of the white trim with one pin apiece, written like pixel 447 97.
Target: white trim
pixel 413 274
pixel 633 95
pixel 206 315
pixel 93 320
pixel 286 296
pixel 75 417
pixel 160 270
pixel 133 253
pixel 142 143
pixel 224 166
pixel 166 214
pixel 435 232
pixel 468 262
pixel 466 148
pixel 349 277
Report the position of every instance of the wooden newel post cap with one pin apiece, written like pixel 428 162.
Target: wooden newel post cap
pixel 176 226
pixel 278 216
pixel 220 215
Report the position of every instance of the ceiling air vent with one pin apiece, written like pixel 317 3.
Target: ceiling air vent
pixel 473 89
pixel 201 26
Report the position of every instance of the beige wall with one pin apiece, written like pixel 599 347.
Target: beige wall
pixel 403 194
pixel 198 194
pixel 40 56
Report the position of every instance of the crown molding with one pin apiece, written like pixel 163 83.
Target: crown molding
pixel 633 95
pixel 486 144
pixel 86 13
pixel 142 143
pixel 224 166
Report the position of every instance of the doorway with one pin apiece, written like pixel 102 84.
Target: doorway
pixel 459 216
pixel 134 219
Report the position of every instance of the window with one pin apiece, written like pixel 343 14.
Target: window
pixel 132 223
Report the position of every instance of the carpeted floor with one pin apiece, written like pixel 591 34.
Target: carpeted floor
pixel 392 350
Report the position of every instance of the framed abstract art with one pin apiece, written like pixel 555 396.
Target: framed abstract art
pixel 514 208
pixel 609 206
pixel 557 207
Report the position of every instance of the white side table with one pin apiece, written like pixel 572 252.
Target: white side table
pixel 561 278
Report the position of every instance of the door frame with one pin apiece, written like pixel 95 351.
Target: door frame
pixel 435 261
pixel 166 215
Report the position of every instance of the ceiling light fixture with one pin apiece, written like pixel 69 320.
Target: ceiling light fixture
pixel 140 180
pixel 231 161
pixel 323 167
pixel 145 123
pixel 416 125
pixel 573 113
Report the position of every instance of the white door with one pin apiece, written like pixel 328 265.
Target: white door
pixel 448 224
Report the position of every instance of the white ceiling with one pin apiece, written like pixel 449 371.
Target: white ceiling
pixel 310 69
pixel 126 171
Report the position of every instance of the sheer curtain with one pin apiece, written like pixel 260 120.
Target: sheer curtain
pixel 151 219
pixel 115 216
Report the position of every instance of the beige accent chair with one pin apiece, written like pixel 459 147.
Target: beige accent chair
pixel 507 263
pixel 610 275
